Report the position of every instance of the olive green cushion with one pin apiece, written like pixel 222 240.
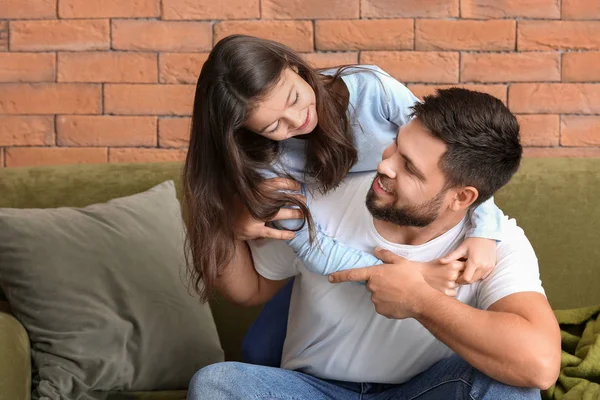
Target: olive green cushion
pixel 101 292
pixel 81 185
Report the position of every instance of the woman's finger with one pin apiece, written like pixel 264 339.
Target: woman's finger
pixel 270 233
pixel 282 184
pixel 288 213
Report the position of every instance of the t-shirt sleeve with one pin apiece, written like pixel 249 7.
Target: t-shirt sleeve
pixel 273 259
pixel 516 271
pixel 397 99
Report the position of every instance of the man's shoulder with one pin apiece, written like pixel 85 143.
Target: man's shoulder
pixel 514 238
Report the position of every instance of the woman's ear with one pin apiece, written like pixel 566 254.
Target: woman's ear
pixel 295 68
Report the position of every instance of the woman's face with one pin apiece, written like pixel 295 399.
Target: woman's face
pixel 288 110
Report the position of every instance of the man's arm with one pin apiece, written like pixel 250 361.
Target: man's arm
pixel 240 283
pixel 515 341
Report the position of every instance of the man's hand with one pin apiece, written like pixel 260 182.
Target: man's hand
pixel 397 287
pixel 480 255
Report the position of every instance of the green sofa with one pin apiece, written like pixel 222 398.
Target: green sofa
pixel 554 200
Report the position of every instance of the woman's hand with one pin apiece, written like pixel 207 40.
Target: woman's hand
pixel 480 255
pixel 248 228
pixel 442 277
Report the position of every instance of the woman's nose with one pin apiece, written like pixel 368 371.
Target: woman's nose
pixel 296 118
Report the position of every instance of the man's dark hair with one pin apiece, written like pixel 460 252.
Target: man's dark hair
pixel 482 136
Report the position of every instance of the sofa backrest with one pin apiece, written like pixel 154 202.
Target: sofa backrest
pixel 554 200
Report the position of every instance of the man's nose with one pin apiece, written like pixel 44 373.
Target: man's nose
pixel 386 167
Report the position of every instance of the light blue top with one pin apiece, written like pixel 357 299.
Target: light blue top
pixel 379 105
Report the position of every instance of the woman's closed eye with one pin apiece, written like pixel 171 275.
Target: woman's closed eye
pixel 274 129
pixel 296 99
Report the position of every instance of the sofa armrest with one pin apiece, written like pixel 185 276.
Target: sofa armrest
pixel 15 364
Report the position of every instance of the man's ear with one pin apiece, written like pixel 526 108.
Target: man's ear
pixel 463 198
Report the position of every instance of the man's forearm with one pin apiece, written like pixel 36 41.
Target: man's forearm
pixel 240 283
pixel 502 345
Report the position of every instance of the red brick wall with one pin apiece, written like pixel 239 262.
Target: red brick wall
pixel 113 80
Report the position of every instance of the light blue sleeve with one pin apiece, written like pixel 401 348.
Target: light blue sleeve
pixel 326 255
pixel 486 221
pixel 398 100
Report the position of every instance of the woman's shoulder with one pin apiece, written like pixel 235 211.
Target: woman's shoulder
pixel 366 71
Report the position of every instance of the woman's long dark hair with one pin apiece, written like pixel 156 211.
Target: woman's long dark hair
pixel 224 159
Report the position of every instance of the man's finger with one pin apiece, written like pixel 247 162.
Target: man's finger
pixel 457 254
pixel 352 275
pixel 387 256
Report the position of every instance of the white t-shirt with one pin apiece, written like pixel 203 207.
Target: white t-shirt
pixel 334 331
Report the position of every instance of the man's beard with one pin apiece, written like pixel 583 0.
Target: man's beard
pixel 418 216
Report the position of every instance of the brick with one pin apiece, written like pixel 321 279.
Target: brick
pixel 27 67
pixel 161 35
pixel 492 35
pixel 539 130
pixel 107 67
pixel 30 156
pixel 329 60
pixel 365 34
pixel 148 99
pixel 484 9
pixel 576 130
pixel 145 155
pixel 50 98
pixel 537 152
pixel 60 35
pixel 580 9
pixel 180 67
pixel 498 91
pixel 581 67
pixel 105 130
pixel 558 35
pixel 173 132
pixel 26 131
pixel 109 9
pixel 296 34
pixel 409 8
pixel 210 9
pixel 554 98
pixel 310 9
pixel 3 36
pixel 27 9
pixel 415 66
pixel 510 67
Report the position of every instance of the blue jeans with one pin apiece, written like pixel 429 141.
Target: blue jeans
pixel 263 343
pixel 451 378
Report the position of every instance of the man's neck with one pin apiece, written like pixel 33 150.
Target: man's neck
pixel 414 236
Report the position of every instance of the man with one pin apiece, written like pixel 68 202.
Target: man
pixel 398 337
